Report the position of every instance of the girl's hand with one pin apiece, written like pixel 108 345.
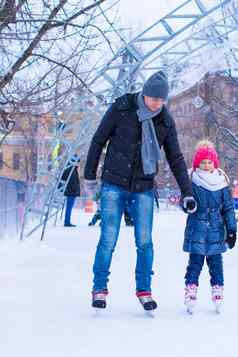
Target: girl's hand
pixel 189 204
pixel 231 239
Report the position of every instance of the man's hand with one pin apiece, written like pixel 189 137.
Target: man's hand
pixel 91 188
pixel 189 204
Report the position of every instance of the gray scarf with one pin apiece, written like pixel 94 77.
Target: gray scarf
pixel 150 150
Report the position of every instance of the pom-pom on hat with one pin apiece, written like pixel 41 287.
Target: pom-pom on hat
pixel 205 153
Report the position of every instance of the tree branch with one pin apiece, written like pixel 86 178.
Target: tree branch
pixel 68 69
pixel 11 14
pixel 27 53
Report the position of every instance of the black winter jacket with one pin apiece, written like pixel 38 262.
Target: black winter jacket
pixel 73 186
pixel 123 164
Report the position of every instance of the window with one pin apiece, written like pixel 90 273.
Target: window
pixel 34 126
pixel 49 162
pixel 1 160
pixel 16 161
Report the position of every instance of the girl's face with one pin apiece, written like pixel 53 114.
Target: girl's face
pixel 206 165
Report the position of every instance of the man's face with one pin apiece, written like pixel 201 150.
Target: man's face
pixel 153 104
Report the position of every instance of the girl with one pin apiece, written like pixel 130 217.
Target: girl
pixel 212 228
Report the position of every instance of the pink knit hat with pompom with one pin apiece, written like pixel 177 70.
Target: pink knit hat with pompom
pixel 205 153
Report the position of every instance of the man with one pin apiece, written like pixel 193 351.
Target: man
pixel 72 189
pixel 136 126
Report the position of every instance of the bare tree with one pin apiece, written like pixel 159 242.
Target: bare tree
pixel 48 51
pixel 43 45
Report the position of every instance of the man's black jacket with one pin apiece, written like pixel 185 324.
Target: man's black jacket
pixel 123 164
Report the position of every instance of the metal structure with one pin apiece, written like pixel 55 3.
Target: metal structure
pixel 44 204
pixel 46 196
pixel 174 43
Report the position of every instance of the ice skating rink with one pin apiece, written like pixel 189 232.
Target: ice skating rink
pixel 45 298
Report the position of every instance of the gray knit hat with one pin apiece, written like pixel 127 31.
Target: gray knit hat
pixel 156 86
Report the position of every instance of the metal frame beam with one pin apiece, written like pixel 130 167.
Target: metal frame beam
pixel 165 44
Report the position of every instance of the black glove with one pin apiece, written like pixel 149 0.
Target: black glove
pixel 231 239
pixel 189 204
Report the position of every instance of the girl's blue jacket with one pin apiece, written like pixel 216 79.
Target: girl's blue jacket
pixel 206 229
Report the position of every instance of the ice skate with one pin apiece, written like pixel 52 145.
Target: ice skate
pixel 190 297
pixel 217 297
pixel 99 300
pixel 148 303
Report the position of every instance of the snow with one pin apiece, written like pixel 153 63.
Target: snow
pixel 45 300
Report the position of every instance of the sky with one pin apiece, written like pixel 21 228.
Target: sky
pixel 140 15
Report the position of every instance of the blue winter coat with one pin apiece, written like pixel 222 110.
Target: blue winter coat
pixel 205 231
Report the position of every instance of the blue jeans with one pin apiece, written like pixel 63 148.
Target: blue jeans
pixel 113 201
pixel 195 265
pixel 69 206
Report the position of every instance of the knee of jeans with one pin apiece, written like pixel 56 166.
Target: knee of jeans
pixel 144 242
pixel 108 239
pixel 108 245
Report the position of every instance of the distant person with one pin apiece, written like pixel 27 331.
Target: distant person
pixel 72 190
pixel 212 228
pixel 157 199
pixel 97 215
pixel 156 194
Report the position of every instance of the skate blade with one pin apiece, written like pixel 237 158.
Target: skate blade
pixel 190 310
pixel 150 313
pixel 218 309
pixel 218 304
pixel 98 311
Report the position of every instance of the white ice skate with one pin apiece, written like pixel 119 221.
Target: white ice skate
pixel 217 297
pixel 190 297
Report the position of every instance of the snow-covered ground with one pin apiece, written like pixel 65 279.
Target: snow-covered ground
pixel 45 300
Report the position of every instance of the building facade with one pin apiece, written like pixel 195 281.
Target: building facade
pixel 207 110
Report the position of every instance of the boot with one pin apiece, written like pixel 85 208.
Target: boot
pixel 69 225
pixel 99 299
pixel 146 300
pixel 190 297
pixel 217 297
